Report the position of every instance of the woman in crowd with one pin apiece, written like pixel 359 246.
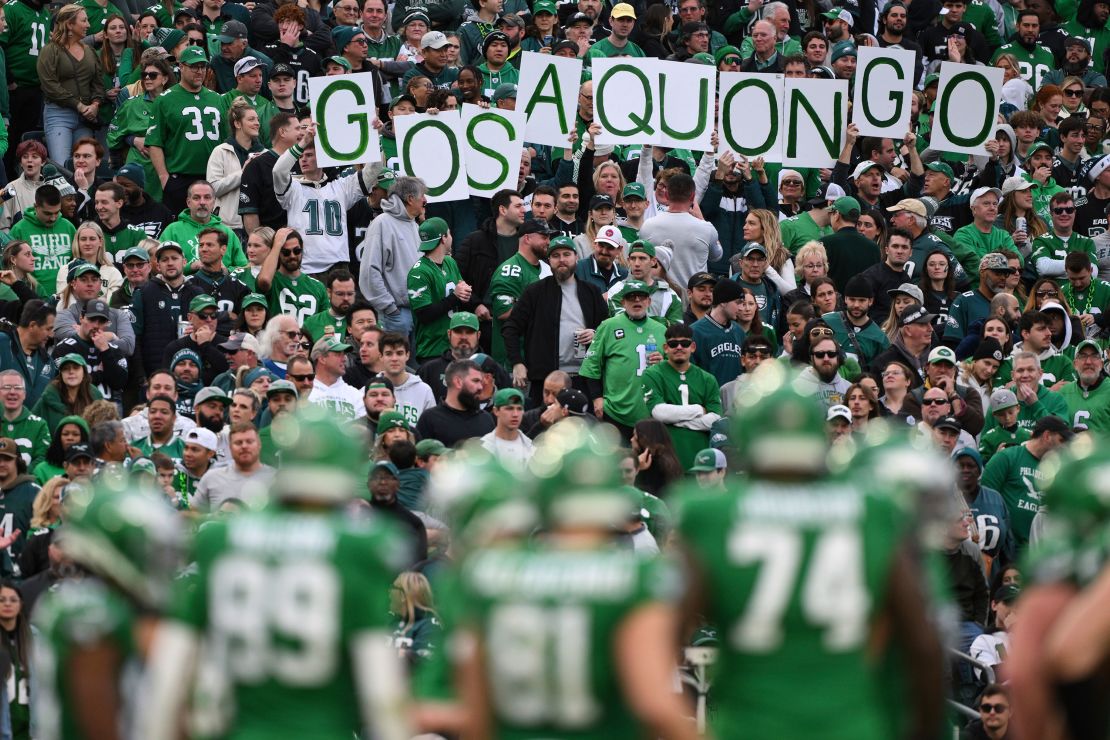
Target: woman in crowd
pixel 897 379
pixel 470 85
pixel 70 431
pixel 1048 103
pixel 792 191
pixel 420 88
pixel 811 262
pixel 68 393
pixel 258 246
pixel 88 245
pixel 31 156
pixel 134 117
pixel 441 100
pixel 255 314
pixel 1072 88
pixel 542 32
pixel 873 226
pixel 1015 89
pixel 825 298
pixel 602 213
pixel 899 299
pixel 46 515
pixel 979 370
pixel 225 164
pixel 129 68
pixel 656 460
pixel 750 321
pixel 117 42
pixel 20 260
pixel 257 379
pixel 938 288
pixel 72 83
pixel 1017 202
pixel 762 227
pixel 15 624
pixel 418 630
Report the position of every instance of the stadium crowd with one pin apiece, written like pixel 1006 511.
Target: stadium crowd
pixel 179 279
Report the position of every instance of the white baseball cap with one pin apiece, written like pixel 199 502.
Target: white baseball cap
pixel 610 235
pixel 246 64
pixel 206 438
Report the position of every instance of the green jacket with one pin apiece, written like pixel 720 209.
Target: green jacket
pixel 185 229
pixel 37 370
pixel 132 119
pixel 53 409
pixel 31 434
pixel 52 246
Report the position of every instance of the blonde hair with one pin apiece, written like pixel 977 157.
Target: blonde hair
pixel 44 500
pixel 66 15
pixel 777 256
pixel 814 249
pixel 101 255
pixel 416 593
pixel 620 176
pixel 238 111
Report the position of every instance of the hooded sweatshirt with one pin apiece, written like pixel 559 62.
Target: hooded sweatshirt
pixel 389 251
pixel 1008 168
pixel 413 398
pixel 185 231
pixel 45 470
pixel 1056 363
pixel 52 246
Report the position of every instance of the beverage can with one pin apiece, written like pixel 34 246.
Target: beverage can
pixel 1020 224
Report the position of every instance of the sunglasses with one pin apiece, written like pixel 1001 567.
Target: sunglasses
pixel 1047 293
pixel 207 316
pixel 820 331
pixel 1073 93
pixel 933 401
pixel 994 708
pixel 759 351
pixel 792 183
pixel 679 343
pixel 824 354
pixel 731 60
pixel 303 378
pixel 291 252
pixel 291 334
pixel 151 75
pixel 1061 210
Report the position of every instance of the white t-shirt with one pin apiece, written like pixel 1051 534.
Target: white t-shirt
pixel 342 398
pixel 514 453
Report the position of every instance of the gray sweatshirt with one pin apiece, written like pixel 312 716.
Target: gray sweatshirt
pixel 390 250
pixel 695 242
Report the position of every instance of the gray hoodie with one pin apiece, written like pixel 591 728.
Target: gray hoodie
pixel 390 250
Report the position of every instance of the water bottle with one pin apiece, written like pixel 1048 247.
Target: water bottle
pixel 650 346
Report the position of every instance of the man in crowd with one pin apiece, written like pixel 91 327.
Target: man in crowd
pixel 340 285
pixel 281 279
pixel 328 388
pixel 717 336
pixel 161 411
pixel 1087 397
pixel 974 305
pixel 245 479
pixel 435 289
pixel 507 442
pixel 458 417
pixel 24 347
pixel 855 331
pixel 29 432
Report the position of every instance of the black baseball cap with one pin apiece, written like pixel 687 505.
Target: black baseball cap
pixel 97 308
pixel 700 278
pixel 574 401
pixel 536 226
pixel 78 450
pixel 282 70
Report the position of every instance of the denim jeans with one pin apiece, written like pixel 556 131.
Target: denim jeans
pixel 401 323
pixel 63 127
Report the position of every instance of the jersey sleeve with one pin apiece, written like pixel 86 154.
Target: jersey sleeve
pixel 420 288
pixel 503 291
pixel 155 134
pixel 189 593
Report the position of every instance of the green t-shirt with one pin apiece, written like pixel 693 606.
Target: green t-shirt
pixel 797 231
pixel 289 599
pixel 793 576
pixel 299 297
pixel 972 244
pixel 428 284
pixel 1088 409
pixel 663 384
pixel 247 276
pixel 1015 474
pixel 187 127
pixel 509 281
pixel 605 48
pixel 76 614
pixel 1032 65
pixel 548 619
pixel 618 357
pixel 27 33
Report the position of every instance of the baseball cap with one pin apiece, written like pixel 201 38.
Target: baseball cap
pixel 980 192
pixel 329 343
pixel 839 15
pixel 826 194
pixel 1007 594
pixel 510 19
pixel 634 190
pixel 134 173
pixel 8 448
pixel 700 278
pixel 1037 146
pixel 385 179
pixel 201 302
pixel 633 287
pixel 535 226
pixel 193 55
pixel 504 91
pixel 507 397
pixel 708 461
pixel 343 35
pixel 543 6
pixel 379 381
pixel 282 70
pixel 579 18
pixel 839 411
pixel 463 320
pixel 942 168
pixel 232 31
pixel 168 245
pixel 622 10
pixel 242 340
pixel 842 49
pixel 80 268
pixel 406 98
pixel 246 64
pixel 910 205
pixel 81 449
pixel 995 261
pixel 1015 183
pixel 942 354
pixel 205 438
pixel 1077 41
pixel 1003 399
pixel 254 299
pixel 386 465
pixel 1088 343
pixel 948 422
pixel 600 200
pixel 341 61
pixel 282 386
pixel 211 393
pixel 845 206
pixel 433 40
pixel 1093 167
pixel 425 448
pixel 907 289
pixel 73 357
pixel 1054 425
pixel 560 242
pixel 753 247
pixel 643 246
pixel 610 235
pixel 864 166
pixel 392 420
pixel 432 232
pixel 915 313
pixel 133 252
pixel 97 308
pixel 574 401
pixel 564 44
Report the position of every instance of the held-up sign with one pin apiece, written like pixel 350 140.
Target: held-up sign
pixel 547 93
pixel 967 108
pixel 493 146
pixel 429 148
pixel 883 91
pixel 816 115
pixel 750 115
pixel 344 109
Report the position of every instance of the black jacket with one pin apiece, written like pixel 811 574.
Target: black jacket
pixel 150 216
pixel 535 320
pixel 776 68
pixel 431 372
pixel 157 309
pixel 477 260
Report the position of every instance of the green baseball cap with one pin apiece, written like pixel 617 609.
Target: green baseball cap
pixel 560 242
pixel 387 466
pixel 702 57
pixel 845 205
pixel 282 386
pixel 341 61
pixel 708 460
pixel 71 357
pixel 642 246
pixel 634 190
pixel 1088 343
pixel 385 179
pixel 192 55
pixel 80 269
pixel 503 91
pixel 507 397
pixel 432 232
pixel 931 80
pixel 329 343
pixel 1035 147
pixel 201 302
pixel 136 252
pixel 463 320
pixel 392 420
pixel 254 299
pixel 543 6
pixel 425 448
pixel 632 287
pixel 944 169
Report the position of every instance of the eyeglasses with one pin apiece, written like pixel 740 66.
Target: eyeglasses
pixel 731 60
pixel 933 401
pixel 1061 210
pixel 1073 93
pixel 360 40
pixel 892 373
pixel 792 183
pixel 994 708
pixel 679 343
pixel 291 334
pixel 291 252
pixel 813 265
pixel 1047 293
pixel 151 75
pixel 824 354
pixel 207 316
pixel 820 331
pixel 303 378
pixel 8 388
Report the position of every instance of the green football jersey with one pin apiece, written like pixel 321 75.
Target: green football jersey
pixel 547 620
pixel 283 598
pixel 27 33
pixel 509 281
pixel 174 449
pixel 299 297
pixel 794 575
pixel 1016 475
pixel 1093 300
pixel 662 384
pixel 618 357
pixel 1088 408
pixel 316 325
pixel 187 127
pixel 76 614
pixel 247 276
pixel 19 691
pixel 1051 246
pixel 428 284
